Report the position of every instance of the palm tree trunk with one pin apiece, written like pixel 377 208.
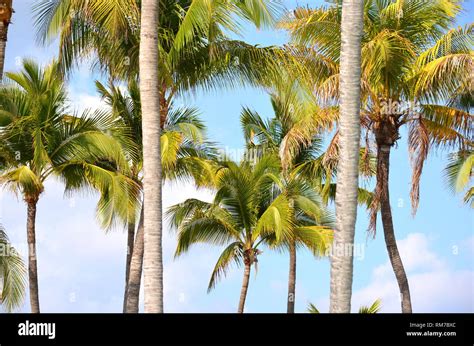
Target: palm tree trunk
pixel 136 267
pixel 32 260
pixel 292 279
pixel 245 286
pixel 3 46
pixel 348 167
pixel 149 86
pixel 383 162
pixel 130 240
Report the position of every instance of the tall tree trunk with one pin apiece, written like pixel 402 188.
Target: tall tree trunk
pixel 245 286
pixel 3 46
pixel 130 240
pixel 149 88
pixel 383 162
pixel 32 259
pixel 292 278
pixel 136 266
pixel 348 167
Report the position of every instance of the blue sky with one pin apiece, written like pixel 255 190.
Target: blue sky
pixel 81 267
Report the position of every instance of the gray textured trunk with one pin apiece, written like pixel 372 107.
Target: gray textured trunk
pixel 383 170
pixel 292 279
pixel 136 268
pixel 32 259
pixel 149 88
pixel 348 167
pixel 245 286
pixel 130 241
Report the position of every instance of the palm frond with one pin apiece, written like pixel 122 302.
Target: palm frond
pixel 12 275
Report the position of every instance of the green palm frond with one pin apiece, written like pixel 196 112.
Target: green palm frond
pixel 312 309
pixel 231 254
pixel 187 122
pixel 373 309
pixel 210 18
pixel 316 238
pixel 204 229
pixel 458 173
pixel 277 219
pixel 170 144
pixel 12 275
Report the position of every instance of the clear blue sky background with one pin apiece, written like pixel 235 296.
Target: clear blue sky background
pixel 81 267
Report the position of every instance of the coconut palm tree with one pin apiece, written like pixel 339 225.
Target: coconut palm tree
pixel 186 155
pixel 41 140
pixel 243 215
pixel 6 11
pixel 410 72
pixel 12 275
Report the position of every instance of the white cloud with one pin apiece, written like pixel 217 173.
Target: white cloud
pixel 83 101
pixel 434 286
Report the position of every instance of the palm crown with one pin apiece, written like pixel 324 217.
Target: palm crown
pixel 408 71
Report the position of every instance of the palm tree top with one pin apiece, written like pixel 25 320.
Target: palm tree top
pixel 425 67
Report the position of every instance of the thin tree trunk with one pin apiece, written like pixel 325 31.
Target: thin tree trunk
pixel 149 87
pixel 32 259
pixel 383 162
pixel 136 266
pixel 130 240
pixel 348 167
pixel 245 286
pixel 292 279
pixel 3 46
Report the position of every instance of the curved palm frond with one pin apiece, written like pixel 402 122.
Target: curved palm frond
pixel 459 172
pixel 12 275
pixel 231 254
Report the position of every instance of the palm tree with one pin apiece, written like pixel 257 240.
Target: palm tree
pixel 459 173
pixel 244 214
pixel 410 72
pixel 6 11
pixel 12 275
pixel 185 155
pixel 42 140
